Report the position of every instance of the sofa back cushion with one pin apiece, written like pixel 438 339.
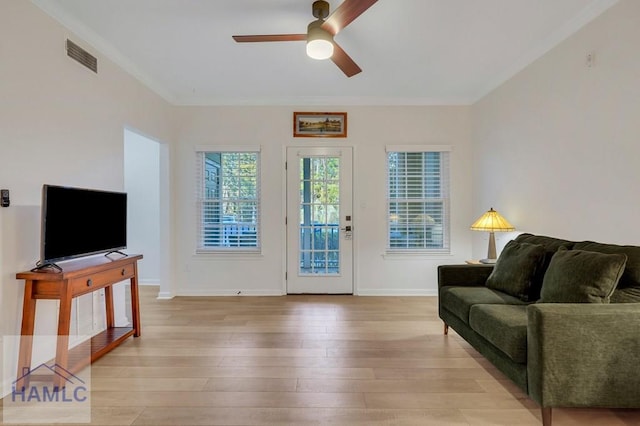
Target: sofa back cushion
pixel 578 276
pixel 631 275
pixel 551 246
pixel 516 269
pixel 626 295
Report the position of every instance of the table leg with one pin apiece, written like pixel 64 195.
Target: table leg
pixel 26 337
pixel 62 346
pixel 108 299
pixel 135 302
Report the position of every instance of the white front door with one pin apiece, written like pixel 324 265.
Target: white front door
pixel 319 221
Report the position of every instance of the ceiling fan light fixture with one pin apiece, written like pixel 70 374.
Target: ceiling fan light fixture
pixel 320 33
pixel 319 49
pixel 319 41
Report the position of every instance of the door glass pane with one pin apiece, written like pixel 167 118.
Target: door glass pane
pixel 319 216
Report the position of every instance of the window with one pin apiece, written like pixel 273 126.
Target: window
pixel 228 201
pixel 418 199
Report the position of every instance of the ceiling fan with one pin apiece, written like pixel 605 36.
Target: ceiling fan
pixel 320 33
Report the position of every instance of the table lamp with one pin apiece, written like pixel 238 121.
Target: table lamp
pixel 492 222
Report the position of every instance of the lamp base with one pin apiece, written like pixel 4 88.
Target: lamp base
pixel 488 261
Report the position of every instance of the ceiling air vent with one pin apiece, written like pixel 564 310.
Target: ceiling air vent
pixel 79 54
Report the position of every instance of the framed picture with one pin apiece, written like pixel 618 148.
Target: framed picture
pixel 320 124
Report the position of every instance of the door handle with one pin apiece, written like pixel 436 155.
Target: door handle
pixel 347 228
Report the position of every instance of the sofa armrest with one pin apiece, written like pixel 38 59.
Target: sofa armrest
pixel 463 275
pixel 584 355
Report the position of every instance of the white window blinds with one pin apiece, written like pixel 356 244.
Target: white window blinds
pixel 228 201
pixel 418 201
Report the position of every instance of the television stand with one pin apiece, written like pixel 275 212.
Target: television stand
pixel 76 278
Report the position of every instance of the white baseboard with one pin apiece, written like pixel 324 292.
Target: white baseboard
pixel 230 292
pixel 361 292
pixel 397 292
pixel 155 282
pixel 165 295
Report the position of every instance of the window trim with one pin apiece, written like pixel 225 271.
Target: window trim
pixel 227 252
pixel 418 148
pixel 417 252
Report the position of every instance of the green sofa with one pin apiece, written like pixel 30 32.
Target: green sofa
pixel 560 352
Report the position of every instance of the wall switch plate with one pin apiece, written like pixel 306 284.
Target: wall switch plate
pixel 4 198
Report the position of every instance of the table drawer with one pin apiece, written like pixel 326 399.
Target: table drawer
pixel 98 280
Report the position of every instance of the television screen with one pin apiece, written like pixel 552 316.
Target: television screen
pixel 79 222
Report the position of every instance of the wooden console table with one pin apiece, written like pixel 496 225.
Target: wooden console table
pixel 77 278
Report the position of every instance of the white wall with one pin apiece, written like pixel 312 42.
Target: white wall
pixel 556 148
pixel 369 130
pixel 142 184
pixel 60 124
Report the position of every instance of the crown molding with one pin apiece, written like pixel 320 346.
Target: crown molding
pixel 105 48
pixel 588 14
pixel 325 101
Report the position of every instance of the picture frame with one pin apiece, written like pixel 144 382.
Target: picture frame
pixel 319 124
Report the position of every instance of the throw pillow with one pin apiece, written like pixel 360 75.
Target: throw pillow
pixel 631 275
pixel 516 269
pixel 578 276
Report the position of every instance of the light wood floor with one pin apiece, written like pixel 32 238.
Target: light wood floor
pixel 302 360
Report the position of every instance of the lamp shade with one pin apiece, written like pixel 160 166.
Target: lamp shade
pixel 492 221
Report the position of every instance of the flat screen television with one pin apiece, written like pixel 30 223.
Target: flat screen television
pixel 80 222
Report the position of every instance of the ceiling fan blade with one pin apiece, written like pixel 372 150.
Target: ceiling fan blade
pixel 345 14
pixel 344 61
pixel 271 37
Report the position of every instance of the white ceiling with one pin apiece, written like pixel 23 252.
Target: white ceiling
pixel 412 52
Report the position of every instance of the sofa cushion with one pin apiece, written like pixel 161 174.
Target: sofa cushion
pixel 631 274
pixel 516 268
pixel 626 295
pixel 459 300
pixel 551 246
pixel 578 276
pixel 505 326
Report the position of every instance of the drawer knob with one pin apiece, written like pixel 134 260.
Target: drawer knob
pixel 89 282
pixel 122 272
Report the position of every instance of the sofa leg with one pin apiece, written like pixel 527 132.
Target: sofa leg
pixel 546 416
pixel 446 328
